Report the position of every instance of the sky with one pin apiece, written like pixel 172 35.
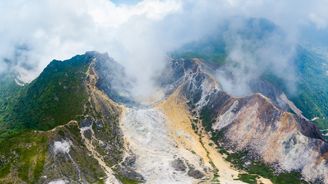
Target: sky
pixel 139 34
pixel 129 2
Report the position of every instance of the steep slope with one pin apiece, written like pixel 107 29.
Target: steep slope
pixel 254 125
pixel 190 136
pixel 57 96
pixel 10 91
pixel 84 127
pixel 311 90
pixel 85 144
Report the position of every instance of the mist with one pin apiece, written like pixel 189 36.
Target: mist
pixel 139 35
pixel 256 47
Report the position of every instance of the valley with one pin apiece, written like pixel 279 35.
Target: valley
pixel 163 92
pixel 190 131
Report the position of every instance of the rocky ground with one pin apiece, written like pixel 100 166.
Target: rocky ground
pixel 191 131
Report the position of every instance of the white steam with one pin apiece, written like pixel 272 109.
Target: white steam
pixel 62 147
pixel 58 181
pixel 252 54
pixel 137 35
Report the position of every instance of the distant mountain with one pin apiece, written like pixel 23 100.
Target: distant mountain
pixel 311 93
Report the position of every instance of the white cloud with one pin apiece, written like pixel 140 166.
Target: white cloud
pixel 320 22
pixel 137 35
pixel 58 29
pixel 255 53
pixel 109 14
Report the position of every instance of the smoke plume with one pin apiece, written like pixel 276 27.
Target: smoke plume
pixel 141 33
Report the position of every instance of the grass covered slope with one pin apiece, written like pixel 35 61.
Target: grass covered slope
pixel 22 157
pixel 57 96
pixel 211 50
pixel 311 94
pixel 9 93
pixel 30 119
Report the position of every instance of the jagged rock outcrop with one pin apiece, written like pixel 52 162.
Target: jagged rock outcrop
pixel 116 140
pixel 255 123
pixel 90 149
pixel 97 134
pixel 87 149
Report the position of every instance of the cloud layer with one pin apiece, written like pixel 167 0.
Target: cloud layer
pixel 136 35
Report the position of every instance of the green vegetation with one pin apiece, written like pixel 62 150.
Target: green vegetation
pixel 26 152
pixel 257 168
pixel 126 180
pixel 57 96
pixel 311 93
pixel 312 89
pixel 206 115
pixel 9 93
pixel 211 50
pixel 253 168
pixel 215 178
pixel 248 178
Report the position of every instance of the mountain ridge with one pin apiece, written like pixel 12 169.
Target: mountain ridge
pixel 100 131
pixel 220 101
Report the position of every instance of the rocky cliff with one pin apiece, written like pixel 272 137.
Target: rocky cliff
pixel 196 134
pixel 255 124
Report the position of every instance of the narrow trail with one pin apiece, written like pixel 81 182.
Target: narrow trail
pixel 88 143
pixel 77 168
pixel 64 147
pixel 93 91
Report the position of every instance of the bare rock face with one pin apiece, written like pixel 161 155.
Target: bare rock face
pixel 112 79
pixel 90 150
pixel 94 148
pixel 277 136
pixel 257 124
pixel 179 165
